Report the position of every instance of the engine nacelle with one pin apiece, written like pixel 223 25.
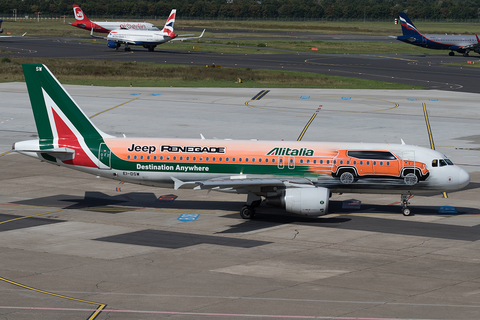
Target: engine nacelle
pixel 112 44
pixel 304 201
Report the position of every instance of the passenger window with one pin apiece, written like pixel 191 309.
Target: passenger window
pixel 354 162
pixel 315 161
pixel 266 160
pixel 361 162
pixel 328 161
pixel 174 158
pixel 246 159
pixel 341 161
pixel 135 157
pixel 194 158
pixel 308 160
pixel 368 163
pixel 213 159
pixel 206 159
pixel 239 159
pixel 220 159
pixel 233 159
pixel 200 159
pixel 348 161
pixel 291 160
pixel 154 157
pixel 181 158
pixel 259 159
pixel 141 157
pixel 334 161
pixel 281 160
pixel 161 157
pixel 321 161
pixel 188 158
pixel 168 157
pixel 273 160
pixel 253 159
pixel 374 163
pixel 381 163
pixel 388 163
pixel 128 157
pixel 148 157
pixel 301 160
pixel 435 163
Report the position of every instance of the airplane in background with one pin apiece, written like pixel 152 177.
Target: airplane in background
pixel 460 43
pixel 299 176
pixel 83 22
pixel 147 38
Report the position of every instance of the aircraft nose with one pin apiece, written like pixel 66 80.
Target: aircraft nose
pixel 463 178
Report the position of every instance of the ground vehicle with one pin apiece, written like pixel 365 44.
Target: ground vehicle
pixel 350 165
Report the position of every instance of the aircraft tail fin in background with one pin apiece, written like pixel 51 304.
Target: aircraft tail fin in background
pixel 408 28
pixel 79 15
pixel 57 116
pixel 168 28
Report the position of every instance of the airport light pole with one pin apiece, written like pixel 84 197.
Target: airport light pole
pixel 14 14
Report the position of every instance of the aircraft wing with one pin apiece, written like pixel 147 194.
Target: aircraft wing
pixel 239 183
pixel 473 45
pixel 186 37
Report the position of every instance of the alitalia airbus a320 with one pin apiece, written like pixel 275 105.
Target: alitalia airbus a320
pixel 299 176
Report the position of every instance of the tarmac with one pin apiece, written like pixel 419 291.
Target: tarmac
pixel 434 71
pixel 74 246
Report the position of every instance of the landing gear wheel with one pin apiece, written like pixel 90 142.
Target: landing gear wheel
pixel 127 49
pixel 451 53
pixel 405 209
pixel 411 179
pixel 347 178
pixel 247 212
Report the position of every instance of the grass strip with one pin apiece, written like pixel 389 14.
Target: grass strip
pixel 142 74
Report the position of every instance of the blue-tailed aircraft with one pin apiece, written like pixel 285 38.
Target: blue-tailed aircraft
pixel 459 43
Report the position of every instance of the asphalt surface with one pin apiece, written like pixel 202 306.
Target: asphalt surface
pixel 423 70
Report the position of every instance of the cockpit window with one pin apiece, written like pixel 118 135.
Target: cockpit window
pixel 442 163
pixel 449 162
pixel 434 163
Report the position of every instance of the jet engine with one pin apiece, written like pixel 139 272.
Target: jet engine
pixel 304 201
pixel 112 44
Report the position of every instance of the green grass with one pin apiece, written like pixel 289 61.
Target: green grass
pixel 476 64
pixel 114 73
pixel 59 29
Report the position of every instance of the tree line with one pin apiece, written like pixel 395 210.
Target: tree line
pixel 256 9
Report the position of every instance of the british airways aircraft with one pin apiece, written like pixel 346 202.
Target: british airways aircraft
pixel 460 43
pixel 299 176
pixel 147 38
pixel 83 22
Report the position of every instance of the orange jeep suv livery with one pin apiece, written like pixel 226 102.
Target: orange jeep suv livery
pixel 350 165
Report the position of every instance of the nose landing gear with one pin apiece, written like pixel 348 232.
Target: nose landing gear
pixel 405 209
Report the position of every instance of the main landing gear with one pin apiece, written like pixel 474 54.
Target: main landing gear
pixel 248 210
pixel 405 209
pixel 451 53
